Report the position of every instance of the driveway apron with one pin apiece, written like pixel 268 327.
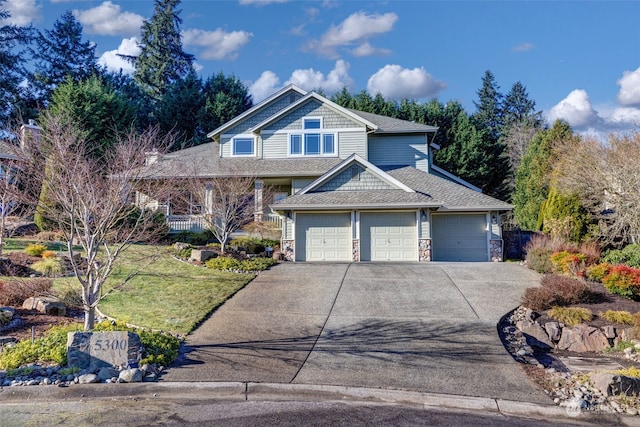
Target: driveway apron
pixel 428 327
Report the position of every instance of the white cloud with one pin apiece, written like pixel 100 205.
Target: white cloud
pixel 310 79
pixel 365 49
pixel 23 12
pixel 307 79
pixel 395 82
pixel 356 29
pixel 575 109
pixel 523 47
pixel 260 2
pixel 113 62
pixel 109 20
pixel 625 117
pixel 629 88
pixel 266 84
pixel 217 44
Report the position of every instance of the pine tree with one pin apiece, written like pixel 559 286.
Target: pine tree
pixel 519 109
pixel 488 113
pixel 60 53
pixel 162 61
pixel 225 98
pixel 12 63
pixel 180 109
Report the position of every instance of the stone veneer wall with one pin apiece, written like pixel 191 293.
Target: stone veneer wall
pixel 355 250
pixel 424 249
pixel 287 250
pixel 495 247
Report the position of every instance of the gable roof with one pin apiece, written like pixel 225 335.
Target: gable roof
pixel 386 124
pixel 264 103
pixel 309 96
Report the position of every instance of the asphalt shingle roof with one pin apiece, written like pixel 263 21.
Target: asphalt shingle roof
pixel 391 125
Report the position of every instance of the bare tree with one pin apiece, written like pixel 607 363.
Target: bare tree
pixel 9 194
pixel 227 203
pixel 90 200
pixel 605 175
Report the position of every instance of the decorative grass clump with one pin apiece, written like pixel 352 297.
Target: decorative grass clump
pixel 571 316
pixel 49 267
pixel 35 249
pixel 619 317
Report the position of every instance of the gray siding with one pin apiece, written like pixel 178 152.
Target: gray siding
pixel 352 142
pixel 298 184
pixel 275 146
pixel 277 105
pixel 331 118
pixel 425 227
pixel 399 150
pixel 227 145
pixel 355 178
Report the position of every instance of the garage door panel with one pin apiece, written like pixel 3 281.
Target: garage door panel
pixel 459 237
pixel 323 237
pixel 386 236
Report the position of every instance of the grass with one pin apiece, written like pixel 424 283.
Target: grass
pixel 166 294
pixel 571 316
pixel 19 245
pixel 619 317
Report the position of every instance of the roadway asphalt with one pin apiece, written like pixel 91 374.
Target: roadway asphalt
pixel 427 328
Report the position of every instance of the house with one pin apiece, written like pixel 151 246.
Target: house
pixel 349 185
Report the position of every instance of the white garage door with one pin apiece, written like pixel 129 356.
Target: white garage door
pixel 459 237
pixel 323 237
pixel 388 236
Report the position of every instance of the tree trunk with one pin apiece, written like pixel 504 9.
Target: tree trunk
pixel 89 318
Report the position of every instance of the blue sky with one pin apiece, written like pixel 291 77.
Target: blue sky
pixel 579 60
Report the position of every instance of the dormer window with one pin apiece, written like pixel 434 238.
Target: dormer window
pixel 243 146
pixel 311 141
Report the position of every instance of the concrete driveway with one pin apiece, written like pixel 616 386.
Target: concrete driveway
pixel 428 327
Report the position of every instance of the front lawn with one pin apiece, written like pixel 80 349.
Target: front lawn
pixel 166 294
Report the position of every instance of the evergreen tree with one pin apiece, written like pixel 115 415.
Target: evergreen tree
pixel 488 113
pixel 344 98
pixel 60 53
pixel 225 98
pixel 564 216
pixel 518 109
pixel 162 61
pixel 12 63
pixel 533 177
pixel 180 109
pixel 125 86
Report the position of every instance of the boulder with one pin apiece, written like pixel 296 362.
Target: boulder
pixel 6 315
pixel 46 305
pixel 202 255
pixel 106 373
pixel 88 379
pixel 583 338
pixel 130 376
pixel 614 385
pixel 535 335
pixel 179 246
pixel 609 331
pixel 554 331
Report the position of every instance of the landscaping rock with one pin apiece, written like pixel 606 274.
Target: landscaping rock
pixel 614 385
pixel 130 376
pixel 535 334
pixel 46 305
pixel 202 255
pixel 609 331
pixel 179 246
pixel 553 330
pixel 106 373
pixel 583 338
pixel 88 379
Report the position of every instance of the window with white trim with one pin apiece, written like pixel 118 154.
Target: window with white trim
pixel 243 146
pixel 311 141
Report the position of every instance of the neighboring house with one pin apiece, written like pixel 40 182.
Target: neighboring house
pixel 350 185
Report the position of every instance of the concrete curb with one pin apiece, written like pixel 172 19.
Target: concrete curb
pixel 242 391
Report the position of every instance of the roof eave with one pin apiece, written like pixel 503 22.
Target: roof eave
pixel 393 206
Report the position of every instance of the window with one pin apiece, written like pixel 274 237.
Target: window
pixel 243 146
pixel 311 143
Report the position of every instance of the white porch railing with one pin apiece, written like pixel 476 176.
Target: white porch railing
pixel 178 223
pixel 275 218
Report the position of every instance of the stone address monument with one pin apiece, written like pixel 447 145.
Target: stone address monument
pixel 92 350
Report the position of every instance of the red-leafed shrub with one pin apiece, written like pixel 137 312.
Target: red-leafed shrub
pixel 15 291
pixel 538 299
pixel 624 281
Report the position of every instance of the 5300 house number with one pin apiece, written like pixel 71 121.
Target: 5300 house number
pixel 107 344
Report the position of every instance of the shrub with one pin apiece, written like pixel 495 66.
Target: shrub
pixel 598 271
pixel 568 262
pixel 629 255
pixel 257 264
pixel 571 316
pixel 624 281
pixel 539 259
pixel 537 299
pixel 49 236
pixel 35 249
pixel 223 263
pixel 15 291
pixel 592 252
pixel 48 254
pixel 251 244
pixel 620 317
pixel 50 267
pixel 555 290
pixel 196 239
